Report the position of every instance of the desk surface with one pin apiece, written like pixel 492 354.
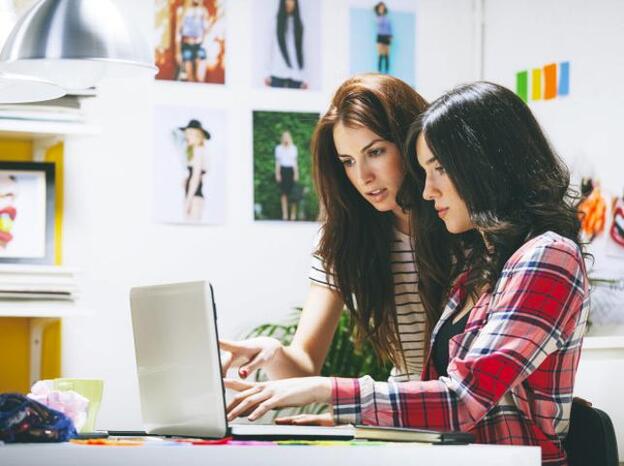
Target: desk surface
pixel 167 455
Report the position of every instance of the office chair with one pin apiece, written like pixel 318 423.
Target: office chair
pixel 591 438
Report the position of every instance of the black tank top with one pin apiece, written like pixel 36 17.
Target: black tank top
pixel 440 350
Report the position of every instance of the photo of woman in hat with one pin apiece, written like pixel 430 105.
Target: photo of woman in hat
pixel 190 165
pixel 195 137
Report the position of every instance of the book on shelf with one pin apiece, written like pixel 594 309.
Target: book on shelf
pixel 37 283
pixel 36 270
pixel 63 109
pixel 40 286
pixel 402 434
pixel 18 295
pixel 26 282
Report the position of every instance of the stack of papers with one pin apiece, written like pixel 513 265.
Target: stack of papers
pixel 37 282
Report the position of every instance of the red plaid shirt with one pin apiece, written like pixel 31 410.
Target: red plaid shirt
pixel 511 373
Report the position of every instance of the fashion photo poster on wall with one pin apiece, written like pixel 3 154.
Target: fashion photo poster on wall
pixel 283 188
pixel 382 38
pixel 190 151
pixel 27 199
pixel 190 40
pixel 287 44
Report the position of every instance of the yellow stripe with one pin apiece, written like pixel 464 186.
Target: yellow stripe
pixel 536 84
pixel 55 154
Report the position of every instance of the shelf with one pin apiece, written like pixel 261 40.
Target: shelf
pixel 28 129
pixel 36 308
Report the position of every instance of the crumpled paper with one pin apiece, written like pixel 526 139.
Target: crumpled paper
pixel 70 403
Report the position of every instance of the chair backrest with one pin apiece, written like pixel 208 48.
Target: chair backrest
pixel 591 438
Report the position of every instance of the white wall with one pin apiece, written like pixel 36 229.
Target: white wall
pixel 586 126
pixel 259 270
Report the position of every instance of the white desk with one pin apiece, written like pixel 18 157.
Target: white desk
pixel 166 455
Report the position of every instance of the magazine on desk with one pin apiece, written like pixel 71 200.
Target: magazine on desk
pixel 349 432
pixel 401 434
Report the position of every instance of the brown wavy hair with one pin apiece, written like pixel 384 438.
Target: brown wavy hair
pixel 355 241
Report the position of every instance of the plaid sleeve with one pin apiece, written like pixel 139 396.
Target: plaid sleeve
pixel 533 312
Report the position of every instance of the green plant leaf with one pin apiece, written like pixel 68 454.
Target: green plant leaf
pixel 343 359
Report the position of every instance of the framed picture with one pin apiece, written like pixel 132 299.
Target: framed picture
pixel 286 37
pixel 190 40
pixel 189 165
pixel 283 187
pixel 382 37
pixel 27 199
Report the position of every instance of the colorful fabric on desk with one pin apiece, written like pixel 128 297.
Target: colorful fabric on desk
pixel 511 373
pixel 115 442
pixel 26 420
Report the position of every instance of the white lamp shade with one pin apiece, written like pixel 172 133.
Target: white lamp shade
pixel 21 89
pixel 75 43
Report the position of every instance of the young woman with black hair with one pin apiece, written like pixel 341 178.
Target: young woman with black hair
pixel 364 258
pixel 504 353
pixel 287 61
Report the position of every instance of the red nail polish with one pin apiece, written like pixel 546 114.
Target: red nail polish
pixel 243 373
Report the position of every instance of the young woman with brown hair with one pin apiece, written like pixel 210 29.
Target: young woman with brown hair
pixel 364 259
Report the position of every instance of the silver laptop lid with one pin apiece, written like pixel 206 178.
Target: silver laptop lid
pixel 177 355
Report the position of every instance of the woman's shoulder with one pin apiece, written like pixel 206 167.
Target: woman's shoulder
pixel 547 250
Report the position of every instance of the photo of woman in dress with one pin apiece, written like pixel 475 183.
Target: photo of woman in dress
pixel 196 163
pixel 384 37
pixel 286 175
pixel 287 60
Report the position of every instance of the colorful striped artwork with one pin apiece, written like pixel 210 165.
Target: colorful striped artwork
pixel 545 83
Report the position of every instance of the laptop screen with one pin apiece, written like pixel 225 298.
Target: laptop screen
pixel 177 356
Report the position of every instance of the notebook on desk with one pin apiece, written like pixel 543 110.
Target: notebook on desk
pixel 179 369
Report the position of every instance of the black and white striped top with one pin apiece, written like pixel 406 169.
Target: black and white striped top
pixel 409 308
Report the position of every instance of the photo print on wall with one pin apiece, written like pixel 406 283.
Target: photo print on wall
pixel 27 202
pixel 189 185
pixel 382 38
pixel 287 44
pixel 190 40
pixel 283 188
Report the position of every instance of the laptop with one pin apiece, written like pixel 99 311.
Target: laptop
pixel 181 388
pixel 179 368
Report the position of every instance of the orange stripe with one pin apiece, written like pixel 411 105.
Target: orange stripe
pixel 550 81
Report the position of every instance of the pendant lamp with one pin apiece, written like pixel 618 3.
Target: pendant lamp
pixel 22 89
pixel 75 43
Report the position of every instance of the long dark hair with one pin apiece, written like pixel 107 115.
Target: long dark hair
pixel 499 160
pixel 356 239
pixel 281 32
